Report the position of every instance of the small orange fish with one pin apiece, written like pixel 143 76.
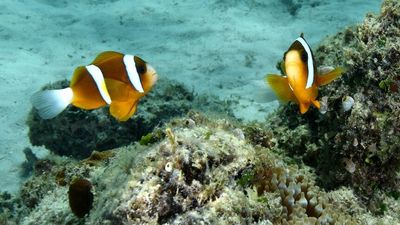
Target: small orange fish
pixel 111 79
pixel 300 81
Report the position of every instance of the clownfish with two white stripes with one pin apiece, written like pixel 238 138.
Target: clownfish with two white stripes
pixel 300 81
pixel 111 79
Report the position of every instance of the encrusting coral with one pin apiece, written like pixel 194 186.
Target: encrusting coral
pixel 202 171
pixel 356 139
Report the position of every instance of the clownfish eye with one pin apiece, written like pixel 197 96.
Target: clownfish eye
pixel 304 56
pixel 140 65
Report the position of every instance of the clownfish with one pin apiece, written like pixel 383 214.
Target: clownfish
pixel 112 79
pixel 300 81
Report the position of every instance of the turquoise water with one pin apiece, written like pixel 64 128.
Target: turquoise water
pixel 216 47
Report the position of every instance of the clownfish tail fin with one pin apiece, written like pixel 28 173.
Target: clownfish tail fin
pixel 280 86
pixel 50 103
pixel 330 76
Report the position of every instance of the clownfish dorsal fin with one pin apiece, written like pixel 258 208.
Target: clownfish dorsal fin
pixel 302 35
pixel 280 86
pixel 104 56
pixel 330 76
pixel 78 74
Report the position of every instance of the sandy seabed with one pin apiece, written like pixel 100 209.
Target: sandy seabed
pixel 219 47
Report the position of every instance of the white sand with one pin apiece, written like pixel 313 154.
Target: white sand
pixel 222 47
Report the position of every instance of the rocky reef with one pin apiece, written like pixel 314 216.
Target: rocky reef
pixel 82 131
pixel 203 171
pixel 355 141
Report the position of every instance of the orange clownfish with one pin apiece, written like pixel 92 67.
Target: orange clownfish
pixel 111 79
pixel 300 81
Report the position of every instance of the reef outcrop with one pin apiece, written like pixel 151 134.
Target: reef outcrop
pixel 356 142
pixel 202 171
pixel 76 132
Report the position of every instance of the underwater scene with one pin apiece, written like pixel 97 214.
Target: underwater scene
pixel 200 112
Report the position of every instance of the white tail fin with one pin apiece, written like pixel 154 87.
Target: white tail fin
pixel 50 103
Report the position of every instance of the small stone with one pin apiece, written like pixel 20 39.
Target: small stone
pixel 169 167
pixel 350 165
pixel 238 133
pixel 355 142
pixel 323 105
pixel 190 123
pixel 347 103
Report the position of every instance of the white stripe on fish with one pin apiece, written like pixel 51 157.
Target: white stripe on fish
pixel 132 72
pixel 98 78
pixel 310 63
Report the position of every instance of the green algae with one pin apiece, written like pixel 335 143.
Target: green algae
pixel 147 139
pixel 246 178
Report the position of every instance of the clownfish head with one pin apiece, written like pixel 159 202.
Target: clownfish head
pixel 147 73
pixel 300 80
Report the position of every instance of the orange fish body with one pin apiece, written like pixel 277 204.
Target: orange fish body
pixel 86 94
pixel 123 92
pixel 301 81
pixel 112 79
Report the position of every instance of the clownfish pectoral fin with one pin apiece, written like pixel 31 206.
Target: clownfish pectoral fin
pixel 122 111
pixel 50 103
pixel 304 107
pixel 280 86
pixel 316 103
pixel 329 77
pixel 119 91
pixel 104 56
pixel 124 99
pixel 132 111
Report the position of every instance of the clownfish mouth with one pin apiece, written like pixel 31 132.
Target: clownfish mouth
pixel 154 78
